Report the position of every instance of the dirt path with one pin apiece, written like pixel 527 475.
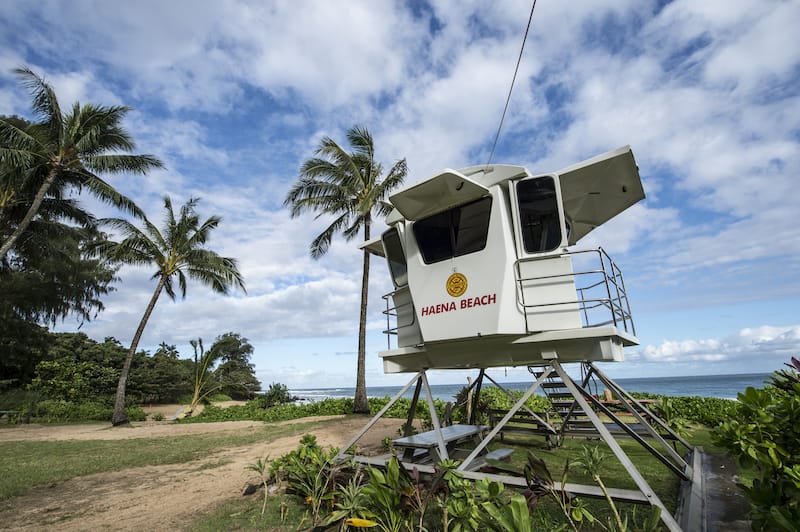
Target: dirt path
pixel 158 497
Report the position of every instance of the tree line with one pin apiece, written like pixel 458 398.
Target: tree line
pixel 77 369
pixel 58 260
pixel 44 231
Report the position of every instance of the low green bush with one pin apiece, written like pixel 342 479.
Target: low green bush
pixel 17 399
pixel 60 411
pixel 709 411
pixel 219 398
pixel 765 436
pixel 254 410
pixel 495 398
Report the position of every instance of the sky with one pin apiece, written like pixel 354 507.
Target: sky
pixel 234 95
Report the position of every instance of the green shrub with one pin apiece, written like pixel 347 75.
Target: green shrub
pixel 765 436
pixel 158 416
pixel 709 411
pixel 219 398
pixel 59 411
pixel 494 398
pixel 17 399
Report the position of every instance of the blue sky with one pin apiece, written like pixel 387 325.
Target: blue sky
pixel 234 95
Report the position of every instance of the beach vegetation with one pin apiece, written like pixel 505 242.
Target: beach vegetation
pixel 78 380
pixel 351 188
pixel 276 394
pixel 392 498
pixel 765 437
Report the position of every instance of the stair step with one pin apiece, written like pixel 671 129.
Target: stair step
pixel 562 404
pixel 579 422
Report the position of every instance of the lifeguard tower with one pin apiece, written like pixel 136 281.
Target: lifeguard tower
pixel 484 277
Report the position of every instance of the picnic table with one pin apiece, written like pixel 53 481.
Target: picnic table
pixel 425 446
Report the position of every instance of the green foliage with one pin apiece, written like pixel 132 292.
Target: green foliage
pixel 255 410
pixel 493 397
pixel 309 472
pixel 219 398
pixel 667 412
pixel 276 394
pixel 261 466
pixel 46 273
pixel 765 436
pixel 709 411
pixel 161 378
pixel 350 501
pixel 235 375
pixel 513 517
pixel 69 380
pixel 60 411
pixel 82 369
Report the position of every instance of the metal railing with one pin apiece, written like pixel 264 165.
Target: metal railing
pixel 391 315
pixel 600 294
pixel 600 290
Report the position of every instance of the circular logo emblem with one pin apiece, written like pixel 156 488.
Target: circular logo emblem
pixel 456 285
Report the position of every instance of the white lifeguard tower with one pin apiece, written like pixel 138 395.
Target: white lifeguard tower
pixel 484 277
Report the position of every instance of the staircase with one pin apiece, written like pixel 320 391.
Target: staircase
pixel 570 419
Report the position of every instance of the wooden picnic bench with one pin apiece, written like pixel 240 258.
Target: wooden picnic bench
pixel 425 446
pixel 522 422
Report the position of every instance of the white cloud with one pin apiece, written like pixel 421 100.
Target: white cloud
pixel 234 95
pixel 765 343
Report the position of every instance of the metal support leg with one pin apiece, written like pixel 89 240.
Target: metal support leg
pixel 343 452
pixel 642 408
pixel 473 408
pixel 533 414
pixel 437 427
pixel 489 437
pixel 412 411
pixel 637 477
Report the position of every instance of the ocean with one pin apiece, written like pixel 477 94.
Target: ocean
pixel 724 386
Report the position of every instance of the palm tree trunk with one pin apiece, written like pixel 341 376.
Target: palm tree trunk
pixel 120 417
pixel 360 403
pixel 34 208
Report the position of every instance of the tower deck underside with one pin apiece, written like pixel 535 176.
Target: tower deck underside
pixel 595 344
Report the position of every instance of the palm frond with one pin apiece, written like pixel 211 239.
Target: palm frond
pixel 44 102
pixel 120 163
pixel 321 244
pixel 360 139
pixel 345 185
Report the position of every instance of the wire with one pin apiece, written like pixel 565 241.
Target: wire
pixel 511 88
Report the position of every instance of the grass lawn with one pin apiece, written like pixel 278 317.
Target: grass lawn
pixel 27 464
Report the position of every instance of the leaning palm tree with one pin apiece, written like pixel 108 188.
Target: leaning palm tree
pixel 176 252
pixel 349 187
pixel 64 150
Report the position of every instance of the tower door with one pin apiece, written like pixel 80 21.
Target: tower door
pixel 545 279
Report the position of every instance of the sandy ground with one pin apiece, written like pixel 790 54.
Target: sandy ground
pixel 165 497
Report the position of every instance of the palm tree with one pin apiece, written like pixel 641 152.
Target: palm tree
pixel 176 252
pixel 349 187
pixel 67 150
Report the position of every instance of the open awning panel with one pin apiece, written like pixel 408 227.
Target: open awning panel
pixel 446 190
pixel 596 190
